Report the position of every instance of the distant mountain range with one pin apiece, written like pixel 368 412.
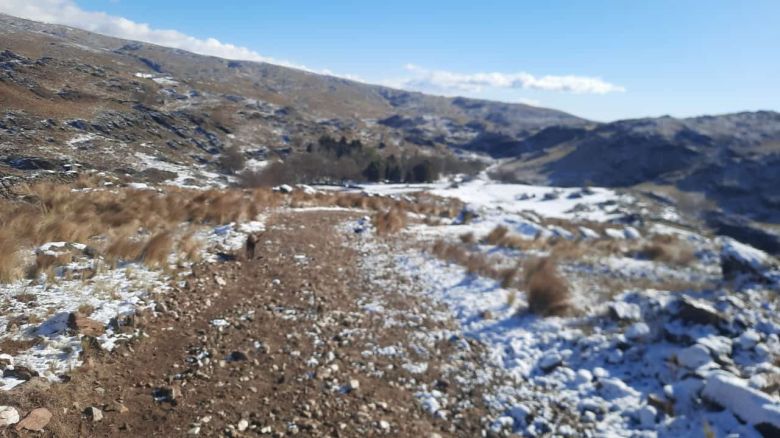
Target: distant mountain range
pixel 70 97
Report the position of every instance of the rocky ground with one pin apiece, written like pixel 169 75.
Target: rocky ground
pixel 277 345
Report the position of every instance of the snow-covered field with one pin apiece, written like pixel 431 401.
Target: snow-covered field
pixel 700 360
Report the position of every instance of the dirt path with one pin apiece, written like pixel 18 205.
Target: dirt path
pixel 273 346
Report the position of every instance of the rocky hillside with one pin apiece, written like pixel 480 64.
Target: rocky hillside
pixel 732 159
pixel 71 97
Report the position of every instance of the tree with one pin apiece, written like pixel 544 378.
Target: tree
pixel 374 172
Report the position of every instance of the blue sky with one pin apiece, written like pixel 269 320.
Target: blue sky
pixel 602 60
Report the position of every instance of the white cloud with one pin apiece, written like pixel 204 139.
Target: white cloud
pixel 448 82
pixel 67 12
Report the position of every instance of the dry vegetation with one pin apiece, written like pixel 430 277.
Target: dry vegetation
pixel 390 221
pixel 548 293
pixel 123 225
pixel 119 224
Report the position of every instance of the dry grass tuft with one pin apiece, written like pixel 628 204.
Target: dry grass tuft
pixel 496 236
pixel 468 238
pixel 10 260
pixel 670 250
pixel 124 247
pixel 548 293
pixel 157 250
pixel 389 222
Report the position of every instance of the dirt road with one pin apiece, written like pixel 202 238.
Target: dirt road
pixel 272 346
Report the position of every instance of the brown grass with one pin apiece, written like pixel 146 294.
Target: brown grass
pixel 11 268
pixel 390 222
pixel 496 235
pixel 125 248
pixel 548 293
pixel 468 238
pixel 670 250
pixel 157 250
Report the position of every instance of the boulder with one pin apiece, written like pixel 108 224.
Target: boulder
pixel 8 416
pixel 740 261
pixel 35 421
pixel 750 405
pixel 693 311
pixel 622 311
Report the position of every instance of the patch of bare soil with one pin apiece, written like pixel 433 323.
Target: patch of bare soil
pixel 270 346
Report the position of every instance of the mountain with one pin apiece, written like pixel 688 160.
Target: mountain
pixel 72 97
pixel 732 158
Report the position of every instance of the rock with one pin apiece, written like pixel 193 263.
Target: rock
pixel 284 188
pixel 242 425
pixel 520 414
pixel 237 356
pixel 638 331
pixel 20 372
pixel 384 425
pixel 631 233
pixel 169 394
pixel 694 356
pixel 8 416
pixel 751 405
pixel 85 326
pixel 117 407
pixel 749 339
pixel 646 416
pixel 35 421
pixel 6 360
pixel 549 361
pixel 354 384
pixel 695 311
pixel 584 377
pixel 623 311
pixel 93 414
pixel 612 388
pixel 738 260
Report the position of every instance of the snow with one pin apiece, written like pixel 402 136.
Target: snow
pixel 750 405
pixel 602 366
pixel 110 292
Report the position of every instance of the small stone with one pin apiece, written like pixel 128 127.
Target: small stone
pixel 549 361
pixel 354 384
pixel 623 311
pixel 8 416
pixel 638 331
pixel 194 430
pixel 220 281
pixel 695 311
pixel 35 421
pixel 242 425
pixel 237 356
pixel 749 339
pixel 647 416
pixel 20 373
pixel 384 425
pixel 694 356
pixel 93 414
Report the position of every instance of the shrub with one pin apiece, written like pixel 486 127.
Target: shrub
pixel 232 160
pixel 669 250
pixel 548 293
pixel 496 236
pixel 468 238
pixel 389 222
pixel 157 250
pixel 123 247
